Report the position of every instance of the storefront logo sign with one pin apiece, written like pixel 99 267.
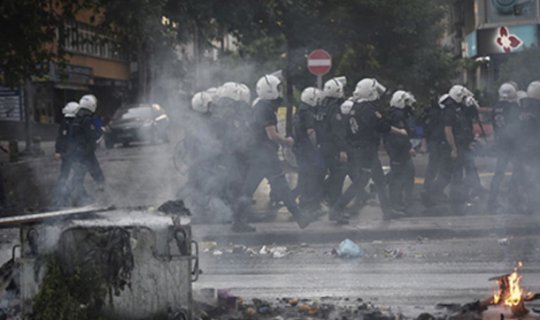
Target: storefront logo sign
pixel 506 41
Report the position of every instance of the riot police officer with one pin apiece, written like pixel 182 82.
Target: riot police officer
pixel 505 116
pixel 529 149
pixel 435 143
pixel 399 149
pixel 64 153
pixel 310 169
pixel 331 131
pixel 263 158
pixel 85 135
pixel 458 130
pixel 366 124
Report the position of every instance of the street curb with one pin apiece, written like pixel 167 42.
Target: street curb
pixel 336 236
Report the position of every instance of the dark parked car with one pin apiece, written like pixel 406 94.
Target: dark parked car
pixel 142 122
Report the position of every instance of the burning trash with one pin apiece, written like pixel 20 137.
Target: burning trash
pixel 511 294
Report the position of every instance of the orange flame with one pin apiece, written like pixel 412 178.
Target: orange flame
pixel 510 292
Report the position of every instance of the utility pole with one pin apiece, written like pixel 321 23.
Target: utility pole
pixel 28 106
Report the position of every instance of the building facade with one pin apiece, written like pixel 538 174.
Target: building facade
pixel 492 31
pixel 95 64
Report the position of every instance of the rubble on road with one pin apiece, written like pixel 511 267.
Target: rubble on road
pixel 232 307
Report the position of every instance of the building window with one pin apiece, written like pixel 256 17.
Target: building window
pixel 85 39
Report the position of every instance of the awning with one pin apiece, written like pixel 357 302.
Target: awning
pixel 71 86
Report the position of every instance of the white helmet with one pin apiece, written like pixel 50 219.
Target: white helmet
pixel 533 90
pixel 368 90
pixel 521 95
pixel 88 102
pixel 229 90
pixel 507 92
pixel 311 96
pixel 212 91
pixel 346 107
pixel 398 99
pixel 244 93
pixel 269 88
pixel 70 110
pixel 333 88
pixel 442 99
pixel 410 100
pixel 201 102
pixel 458 93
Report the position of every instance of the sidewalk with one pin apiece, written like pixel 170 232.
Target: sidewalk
pixel 369 226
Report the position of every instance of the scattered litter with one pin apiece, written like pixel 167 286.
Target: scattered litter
pixel 503 242
pixel 279 252
pixel 422 239
pixel 251 252
pixel 293 301
pixel 263 250
pixel 217 252
pixel 208 246
pixel 393 253
pixel 348 249
pixel 239 249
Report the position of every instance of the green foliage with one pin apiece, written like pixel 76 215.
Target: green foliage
pixel 77 296
pixel 29 27
pixel 386 39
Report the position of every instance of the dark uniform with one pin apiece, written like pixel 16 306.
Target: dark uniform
pixel 83 144
pixel 310 168
pixel 229 128
pixel 437 148
pixel 366 125
pixel 264 163
pixel 398 147
pixel 331 131
pixel 62 147
pixel 506 124
pixel 529 152
pixel 452 171
pixel 200 151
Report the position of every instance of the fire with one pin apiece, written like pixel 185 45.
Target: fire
pixel 510 292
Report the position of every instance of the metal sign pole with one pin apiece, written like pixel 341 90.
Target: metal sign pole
pixel 319 82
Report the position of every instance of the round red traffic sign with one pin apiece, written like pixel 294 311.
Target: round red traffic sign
pixel 319 62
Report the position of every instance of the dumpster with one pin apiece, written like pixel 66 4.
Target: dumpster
pixel 142 263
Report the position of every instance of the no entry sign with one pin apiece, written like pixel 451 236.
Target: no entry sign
pixel 319 62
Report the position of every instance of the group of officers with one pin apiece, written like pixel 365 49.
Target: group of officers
pixel 235 146
pixel 75 147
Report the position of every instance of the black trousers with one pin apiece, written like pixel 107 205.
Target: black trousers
pixel 364 164
pixel 81 165
pixel 335 170
pixel 61 194
pixel 401 181
pixel 311 174
pixel 264 164
pixel 452 172
pixel 437 152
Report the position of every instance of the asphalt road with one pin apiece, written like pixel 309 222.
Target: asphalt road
pixel 410 277
pixel 411 280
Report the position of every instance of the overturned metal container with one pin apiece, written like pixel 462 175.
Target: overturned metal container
pixel 148 259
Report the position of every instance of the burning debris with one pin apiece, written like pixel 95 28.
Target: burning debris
pixel 511 294
pixel 508 301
